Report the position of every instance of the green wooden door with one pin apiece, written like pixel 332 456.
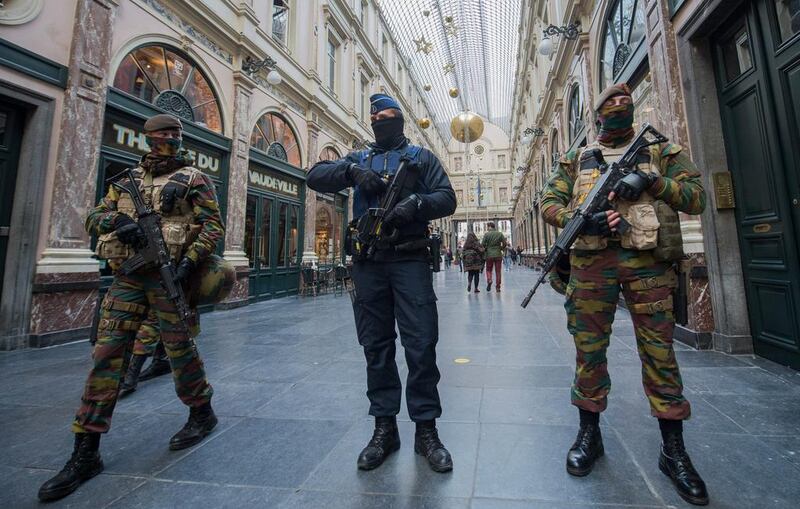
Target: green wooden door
pixel 757 59
pixel 10 139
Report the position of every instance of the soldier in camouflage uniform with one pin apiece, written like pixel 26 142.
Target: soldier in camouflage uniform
pixel 212 283
pixel 640 263
pixel 192 228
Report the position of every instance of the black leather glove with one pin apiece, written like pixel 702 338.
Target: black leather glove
pixel 185 268
pixel 597 224
pixel 404 212
pixel 129 232
pixel 171 193
pixel 367 180
pixel 632 185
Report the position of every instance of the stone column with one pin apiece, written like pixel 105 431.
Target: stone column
pixel 67 277
pixel 237 189
pixel 309 255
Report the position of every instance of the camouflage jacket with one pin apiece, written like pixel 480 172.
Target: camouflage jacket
pixel 205 209
pixel 679 185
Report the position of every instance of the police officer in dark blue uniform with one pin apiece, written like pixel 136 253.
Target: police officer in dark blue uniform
pixel 396 285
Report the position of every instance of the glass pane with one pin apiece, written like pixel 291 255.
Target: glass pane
pixel 639 27
pixel 131 79
pixel 278 128
pixel 627 18
pixel 280 19
pixel 338 225
pixel 266 223
pixel 250 229
pixel 180 71
pixel 281 238
pixel 151 60
pixel 788 12
pixel 207 115
pixel 736 54
pixel 294 232
pixel 322 233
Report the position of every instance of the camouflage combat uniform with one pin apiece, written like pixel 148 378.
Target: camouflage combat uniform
pixel 193 229
pixel 600 266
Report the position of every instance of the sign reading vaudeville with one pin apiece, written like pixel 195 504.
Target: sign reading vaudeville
pixel 274 182
pixel 130 137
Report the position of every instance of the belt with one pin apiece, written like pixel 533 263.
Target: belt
pixel 669 279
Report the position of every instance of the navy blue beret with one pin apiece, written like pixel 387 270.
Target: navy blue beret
pixel 380 102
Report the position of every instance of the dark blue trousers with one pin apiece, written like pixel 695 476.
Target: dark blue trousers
pixel 401 292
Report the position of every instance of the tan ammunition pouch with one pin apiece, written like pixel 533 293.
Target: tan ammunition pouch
pixel 670 239
pixel 177 227
pixel 642 215
pixel 651 308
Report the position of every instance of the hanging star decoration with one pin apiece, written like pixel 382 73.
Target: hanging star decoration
pixel 448 68
pixel 450 26
pixel 423 46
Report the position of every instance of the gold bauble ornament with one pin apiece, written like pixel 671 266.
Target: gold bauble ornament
pixel 427 87
pixel 424 123
pixel 453 92
pixel 466 127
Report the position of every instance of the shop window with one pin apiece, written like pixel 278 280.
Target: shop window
pixel 501 161
pixel 283 212
pixel 169 79
pixel 280 20
pixel 736 55
pixel 294 234
pixel 625 29
pixel 250 229
pixel 266 223
pixel 329 154
pixel 788 13
pixel 575 113
pixel 503 195
pixel 274 136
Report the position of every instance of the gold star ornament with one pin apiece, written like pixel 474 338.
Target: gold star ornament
pixel 448 68
pixel 423 46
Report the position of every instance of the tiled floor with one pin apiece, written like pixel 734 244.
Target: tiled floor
pixel 289 382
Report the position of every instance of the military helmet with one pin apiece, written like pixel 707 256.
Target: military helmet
pixel 212 282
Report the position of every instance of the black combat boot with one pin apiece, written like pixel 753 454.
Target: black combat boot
pixel 201 422
pixel 674 462
pixel 158 366
pixel 588 445
pixel 489 286
pixel 131 379
pixel 84 464
pixel 427 443
pixel 385 440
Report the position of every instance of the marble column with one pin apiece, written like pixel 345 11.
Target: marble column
pixel 237 189
pixel 67 278
pixel 309 255
pixel 670 119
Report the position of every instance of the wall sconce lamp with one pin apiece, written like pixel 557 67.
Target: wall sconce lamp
pixel 569 32
pixel 531 133
pixel 252 66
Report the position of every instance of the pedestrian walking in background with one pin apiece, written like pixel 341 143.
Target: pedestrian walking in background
pixel 473 259
pixel 448 258
pixel 494 242
pixel 519 255
pixel 513 254
pixel 460 258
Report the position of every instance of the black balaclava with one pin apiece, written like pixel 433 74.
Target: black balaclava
pixel 389 132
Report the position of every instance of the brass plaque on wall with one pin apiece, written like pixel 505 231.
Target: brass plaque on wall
pixel 723 190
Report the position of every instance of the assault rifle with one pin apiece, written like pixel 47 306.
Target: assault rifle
pixel 155 252
pixel 597 200
pixel 371 229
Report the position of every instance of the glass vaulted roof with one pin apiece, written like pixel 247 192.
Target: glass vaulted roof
pixel 478 38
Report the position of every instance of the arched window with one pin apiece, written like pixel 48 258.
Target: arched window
pixel 274 136
pixel 575 113
pixel 329 154
pixel 169 79
pixel 625 28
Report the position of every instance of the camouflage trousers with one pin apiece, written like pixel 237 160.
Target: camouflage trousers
pixel 124 308
pixel 149 334
pixel 592 296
